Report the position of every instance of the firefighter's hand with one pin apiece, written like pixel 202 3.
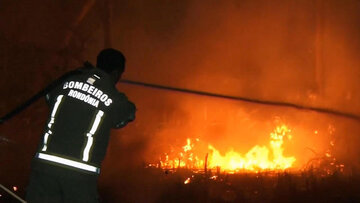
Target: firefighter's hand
pixel 124 123
pixel 121 124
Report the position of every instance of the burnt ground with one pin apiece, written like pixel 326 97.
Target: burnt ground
pixel 157 185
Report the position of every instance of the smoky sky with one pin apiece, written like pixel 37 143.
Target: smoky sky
pixel 257 49
pixel 245 48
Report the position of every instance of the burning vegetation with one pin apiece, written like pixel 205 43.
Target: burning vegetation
pixel 197 171
pixel 265 173
pixel 258 159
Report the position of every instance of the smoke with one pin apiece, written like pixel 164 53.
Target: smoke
pixel 252 49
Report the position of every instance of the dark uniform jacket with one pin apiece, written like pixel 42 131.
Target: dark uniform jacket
pixel 83 110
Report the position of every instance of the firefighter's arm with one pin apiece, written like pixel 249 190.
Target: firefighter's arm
pixel 126 114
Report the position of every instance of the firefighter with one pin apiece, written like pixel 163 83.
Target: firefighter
pixel 83 109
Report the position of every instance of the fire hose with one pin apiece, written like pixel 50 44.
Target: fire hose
pixel 183 90
pixel 245 99
pixel 33 99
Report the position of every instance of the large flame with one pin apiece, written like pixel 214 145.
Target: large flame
pixel 256 159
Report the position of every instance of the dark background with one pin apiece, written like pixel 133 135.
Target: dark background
pixel 300 52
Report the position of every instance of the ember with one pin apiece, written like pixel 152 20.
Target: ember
pixel 187 181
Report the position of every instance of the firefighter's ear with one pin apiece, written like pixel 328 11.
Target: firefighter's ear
pixel 116 75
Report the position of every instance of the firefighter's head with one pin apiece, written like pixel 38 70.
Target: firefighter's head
pixel 111 61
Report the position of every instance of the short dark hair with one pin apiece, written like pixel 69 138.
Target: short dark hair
pixel 110 60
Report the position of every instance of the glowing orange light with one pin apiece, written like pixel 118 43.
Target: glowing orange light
pixel 15 188
pixel 213 177
pixel 256 159
pixel 332 143
pixel 328 154
pixel 187 181
pixel 188 146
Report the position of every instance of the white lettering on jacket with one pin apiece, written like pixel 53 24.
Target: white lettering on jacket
pixel 89 94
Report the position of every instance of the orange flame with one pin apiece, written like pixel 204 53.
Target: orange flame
pixel 258 158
